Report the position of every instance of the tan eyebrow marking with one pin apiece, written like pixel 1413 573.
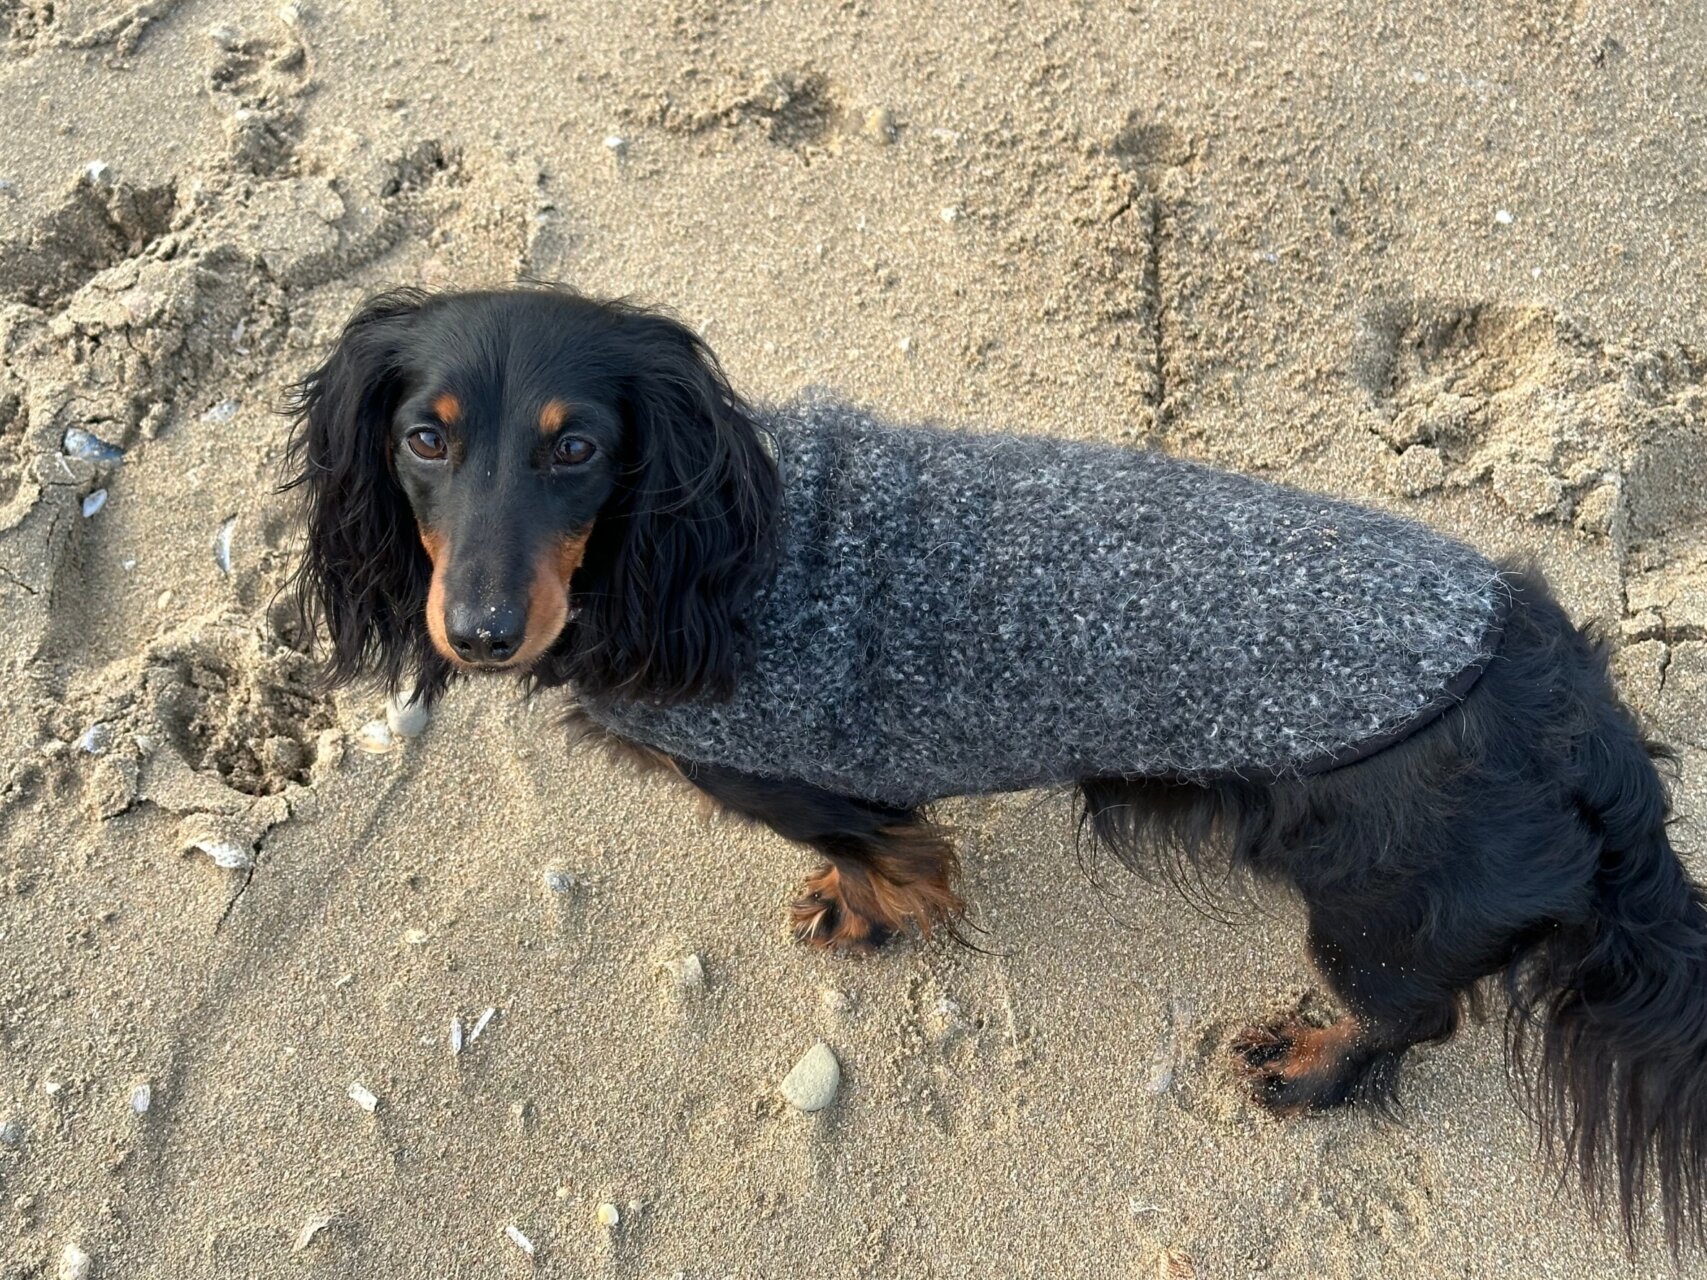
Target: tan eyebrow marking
pixel 448 407
pixel 552 417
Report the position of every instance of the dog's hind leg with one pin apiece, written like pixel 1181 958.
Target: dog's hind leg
pixel 884 868
pixel 1404 936
pixel 1395 995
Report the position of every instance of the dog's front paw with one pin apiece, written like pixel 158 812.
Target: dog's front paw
pixel 822 917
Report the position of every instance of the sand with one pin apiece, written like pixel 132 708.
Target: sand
pixel 1447 262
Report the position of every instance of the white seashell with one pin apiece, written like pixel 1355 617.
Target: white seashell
pixel 141 1096
pixel 480 1023
pixel 950 214
pixel 313 1227
pixel 455 1034
pixel 689 972
pixel 79 443
pixel 363 1097
pixel 519 1240
pixel 224 411
pixel 222 545
pixel 608 1215
pixel 812 1084
pixel 94 502
pixel 74 1264
pixel 98 171
pixel 95 739
pixel 614 144
pixel 1503 217
pixel 233 857
pixel 407 719
pixel 375 737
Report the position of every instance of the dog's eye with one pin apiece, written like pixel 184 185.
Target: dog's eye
pixel 427 443
pixel 571 451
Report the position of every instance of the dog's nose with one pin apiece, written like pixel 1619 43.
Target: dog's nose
pixel 485 634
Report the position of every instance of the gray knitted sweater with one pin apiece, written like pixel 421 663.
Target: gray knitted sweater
pixel 958 613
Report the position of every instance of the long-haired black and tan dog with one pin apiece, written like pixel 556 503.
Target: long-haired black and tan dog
pixel 825 622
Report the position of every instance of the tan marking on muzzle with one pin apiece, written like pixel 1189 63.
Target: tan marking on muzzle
pixel 548 599
pixel 438 552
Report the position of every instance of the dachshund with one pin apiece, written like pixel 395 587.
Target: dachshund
pixel 569 491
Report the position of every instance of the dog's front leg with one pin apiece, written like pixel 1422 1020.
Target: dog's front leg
pixel 884 868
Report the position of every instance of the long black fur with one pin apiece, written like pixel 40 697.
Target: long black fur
pixel 363 572
pixel 689 538
pixel 1521 837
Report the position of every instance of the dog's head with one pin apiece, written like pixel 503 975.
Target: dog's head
pixel 531 482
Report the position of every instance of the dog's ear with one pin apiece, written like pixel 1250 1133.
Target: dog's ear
pixel 364 573
pixel 687 537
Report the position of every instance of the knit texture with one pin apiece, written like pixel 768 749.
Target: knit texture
pixel 957 613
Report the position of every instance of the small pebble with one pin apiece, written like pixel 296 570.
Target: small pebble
pixel 95 739
pixel 94 502
pixel 163 601
pixel 224 411
pixel 98 171
pixel 416 937
pixel 407 719
pixel 79 443
pixel 141 1097
pixel 950 214
pixel 313 1227
pixel 51 1088
pixel 1503 217
pixel 615 145
pixel 11 1133
pixel 455 1034
pixel 812 1084
pixel 608 1215
pixel 74 1264
pixel 363 1097
pixel 519 1240
pixel 560 881
pixel 480 1023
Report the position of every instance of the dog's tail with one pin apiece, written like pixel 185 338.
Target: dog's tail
pixel 1612 1010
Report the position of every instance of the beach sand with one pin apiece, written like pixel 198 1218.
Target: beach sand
pixel 1450 263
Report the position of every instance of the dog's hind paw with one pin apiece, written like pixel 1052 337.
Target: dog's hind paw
pixel 1294 1066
